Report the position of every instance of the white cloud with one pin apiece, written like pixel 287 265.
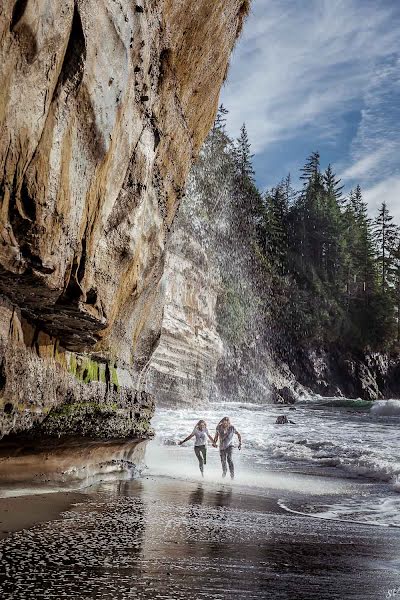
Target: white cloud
pixel 387 190
pixel 302 63
pixel 363 167
pixel 375 149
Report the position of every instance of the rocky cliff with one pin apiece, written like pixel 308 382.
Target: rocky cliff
pixel 103 106
pixel 183 366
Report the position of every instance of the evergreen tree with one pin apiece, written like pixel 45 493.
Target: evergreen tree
pixel 364 247
pixel 386 235
pixel 309 213
pixel 244 158
pixel 396 290
pixel 220 119
pixel 332 185
pixel 361 279
pixel 311 172
pixel 277 210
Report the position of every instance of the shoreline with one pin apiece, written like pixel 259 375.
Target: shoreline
pixel 25 511
pixel 25 507
pixel 158 537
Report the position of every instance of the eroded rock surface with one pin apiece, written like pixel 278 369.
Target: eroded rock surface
pixel 183 366
pixel 103 106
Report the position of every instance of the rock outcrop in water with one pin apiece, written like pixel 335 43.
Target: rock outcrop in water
pixel 103 106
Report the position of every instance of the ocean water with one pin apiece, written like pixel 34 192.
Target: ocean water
pixel 340 459
pixel 312 515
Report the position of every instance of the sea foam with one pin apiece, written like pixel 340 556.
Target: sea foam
pixel 386 408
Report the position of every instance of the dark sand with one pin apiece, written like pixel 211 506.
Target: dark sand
pixel 168 539
pixel 22 512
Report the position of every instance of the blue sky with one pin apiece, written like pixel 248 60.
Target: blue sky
pixel 321 75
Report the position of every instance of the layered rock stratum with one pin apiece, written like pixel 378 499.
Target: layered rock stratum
pixel 104 104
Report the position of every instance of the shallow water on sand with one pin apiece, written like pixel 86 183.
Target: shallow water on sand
pixel 160 538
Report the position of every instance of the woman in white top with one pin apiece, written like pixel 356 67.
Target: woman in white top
pixel 200 432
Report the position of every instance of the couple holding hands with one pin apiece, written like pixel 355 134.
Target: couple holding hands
pixel 224 432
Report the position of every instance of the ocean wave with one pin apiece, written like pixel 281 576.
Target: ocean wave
pixel 354 461
pixel 375 510
pixel 346 443
pixel 386 408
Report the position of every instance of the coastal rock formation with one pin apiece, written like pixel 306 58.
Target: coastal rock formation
pixel 71 461
pixel 183 367
pixel 56 393
pixel 331 372
pixel 103 106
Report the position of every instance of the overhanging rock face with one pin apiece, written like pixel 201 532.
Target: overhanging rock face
pixel 103 106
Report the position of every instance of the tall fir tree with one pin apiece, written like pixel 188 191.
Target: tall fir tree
pixel 220 119
pixel 277 210
pixel 333 186
pixel 386 234
pixel 244 158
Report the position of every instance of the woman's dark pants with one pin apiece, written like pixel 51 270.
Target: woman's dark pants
pixel 226 456
pixel 201 454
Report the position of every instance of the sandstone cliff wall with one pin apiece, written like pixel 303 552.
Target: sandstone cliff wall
pixel 183 366
pixel 103 106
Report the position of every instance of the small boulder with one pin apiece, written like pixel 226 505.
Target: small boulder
pixel 283 395
pixel 282 420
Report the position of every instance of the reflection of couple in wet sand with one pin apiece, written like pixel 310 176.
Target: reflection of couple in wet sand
pixel 224 433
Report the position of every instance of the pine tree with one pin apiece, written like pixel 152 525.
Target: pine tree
pixel 220 119
pixel 396 270
pixel 309 213
pixel 332 185
pixel 364 250
pixel 361 279
pixel 244 158
pixel 277 210
pixel 311 172
pixel 331 234
pixel 386 235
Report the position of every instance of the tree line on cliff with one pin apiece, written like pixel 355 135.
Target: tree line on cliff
pixel 319 270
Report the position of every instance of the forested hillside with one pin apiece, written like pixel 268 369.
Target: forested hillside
pixel 308 281
pixel 334 270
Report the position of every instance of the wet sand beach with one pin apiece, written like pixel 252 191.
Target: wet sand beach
pixel 25 511
pixel 164 538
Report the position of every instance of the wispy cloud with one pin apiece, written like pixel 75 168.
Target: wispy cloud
pixel 301 62
pixel 375 150
pixel 364 166
pixel 304 64
pixel 387 190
